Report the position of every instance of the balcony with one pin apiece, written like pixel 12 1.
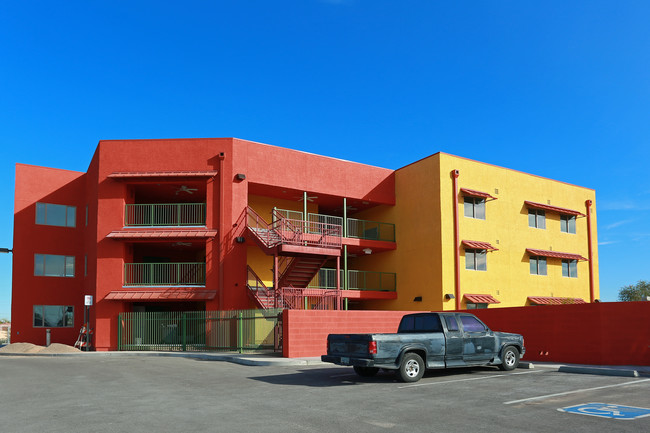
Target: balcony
pixel 357 280
pixel 356 228
pixel 164 274
pixel 164 215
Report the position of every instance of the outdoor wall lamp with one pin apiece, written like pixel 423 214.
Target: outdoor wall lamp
pixel 449 296
pixel 240 176
pixel 240 239
pixel 417 299
pixel 367 250
pixel 5 250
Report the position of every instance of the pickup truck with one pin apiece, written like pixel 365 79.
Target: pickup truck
pixel 426 340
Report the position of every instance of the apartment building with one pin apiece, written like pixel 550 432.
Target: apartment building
pixel 224 224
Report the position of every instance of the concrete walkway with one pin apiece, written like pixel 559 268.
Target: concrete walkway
pixel 275 359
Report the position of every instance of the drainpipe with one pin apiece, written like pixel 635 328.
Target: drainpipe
pixel 588 203
pixel 221 234
pixel 346 282
pixel 454 177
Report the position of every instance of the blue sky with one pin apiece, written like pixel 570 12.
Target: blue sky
pixel 557 89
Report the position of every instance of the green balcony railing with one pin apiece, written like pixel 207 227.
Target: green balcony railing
pixel 357 228
pixel 357 280
pixel 371 230
pixel 164 274
pixel 165 214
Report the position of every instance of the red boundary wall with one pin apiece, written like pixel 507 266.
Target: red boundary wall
pixel 597 334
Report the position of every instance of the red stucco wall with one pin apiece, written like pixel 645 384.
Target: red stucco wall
pixel 599 334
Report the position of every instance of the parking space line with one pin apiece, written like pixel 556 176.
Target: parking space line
pixel 542 397
pixel 467 380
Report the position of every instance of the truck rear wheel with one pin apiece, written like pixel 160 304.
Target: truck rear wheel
pixel 510 359
pixel 365 371
pixel 412 368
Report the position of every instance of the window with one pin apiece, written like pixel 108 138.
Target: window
pixel 420 323
pixel 47 265
pixel 55 215
pixel 472 324
pixel 86 215
pixel 53 316
pixel 537 265
pixel 536 218
pixel 473 306
pixel 476 260
pixel 570 268
pixel 452 324
pixel 475 207
pixel 568 224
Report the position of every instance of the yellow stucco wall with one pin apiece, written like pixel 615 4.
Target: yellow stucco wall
pixel 508 277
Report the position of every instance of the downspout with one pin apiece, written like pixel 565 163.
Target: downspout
pixel 588 203
pixel 346 282
pixel 454 177
pixel 221 234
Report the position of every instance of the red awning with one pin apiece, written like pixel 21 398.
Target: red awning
pixel 161 295
pixel 548 300
pixel 473 193
pixel 555 209
pixel 149 234
pixel 479 245
pixel 481 299
pixel 555 254
pixel 158 174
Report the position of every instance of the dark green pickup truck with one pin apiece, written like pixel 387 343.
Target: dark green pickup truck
pixel 426 340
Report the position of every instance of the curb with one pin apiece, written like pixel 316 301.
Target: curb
pixel 599 371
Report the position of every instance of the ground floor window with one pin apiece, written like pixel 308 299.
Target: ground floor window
pixel 53 316
pixel 474 306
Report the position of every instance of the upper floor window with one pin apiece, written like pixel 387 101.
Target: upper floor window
pixel 476 260
pixel 568 224
pixel 475 207
pixel 570 268
pixel 49 265
pixel 537 265
pixel 536 218
pixel 53 316
pixel 55 215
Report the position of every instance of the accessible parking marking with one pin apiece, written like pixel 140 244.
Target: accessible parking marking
pixel 603 410
pixel 542 397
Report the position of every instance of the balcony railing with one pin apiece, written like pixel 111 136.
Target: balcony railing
pixel 164 274
pixel 168 214
pixel 359 229
pixel 371 230
pixel 357 280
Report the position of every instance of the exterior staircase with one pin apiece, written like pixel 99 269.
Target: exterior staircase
pixel 299 271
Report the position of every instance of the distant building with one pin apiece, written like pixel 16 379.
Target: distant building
pixel 217 224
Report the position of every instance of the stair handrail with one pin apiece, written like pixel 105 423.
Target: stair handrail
pixel 260 223
pixel 259 284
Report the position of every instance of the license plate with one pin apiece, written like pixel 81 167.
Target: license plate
pixel 345 360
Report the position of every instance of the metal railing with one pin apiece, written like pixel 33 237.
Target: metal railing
pixel 371 230
pixel 165 214
pixel 265 296
pixel 357 280
pixel 301 299
pixel 164 274
pixel 236 330
pixel 356 228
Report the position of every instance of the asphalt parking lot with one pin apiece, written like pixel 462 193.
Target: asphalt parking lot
pixel 154 394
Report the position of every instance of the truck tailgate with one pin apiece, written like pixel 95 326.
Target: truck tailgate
pixel 350 345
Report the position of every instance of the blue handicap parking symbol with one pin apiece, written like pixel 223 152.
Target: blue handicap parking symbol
pixel 605 410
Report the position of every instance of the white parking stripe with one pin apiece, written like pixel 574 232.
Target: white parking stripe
pixel 466 380
pixel 541 397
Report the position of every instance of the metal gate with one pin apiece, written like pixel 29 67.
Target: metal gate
pixel 226 331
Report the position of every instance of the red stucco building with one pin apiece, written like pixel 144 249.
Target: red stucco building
pixel 160 225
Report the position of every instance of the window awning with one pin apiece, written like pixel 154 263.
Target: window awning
pixel 161 234
pixel 161 295
pixel 555 254
pixel 473 193
pixel 481 299
pixel 479 245
pixel 555 209
pixel 549 300
pixel 159 174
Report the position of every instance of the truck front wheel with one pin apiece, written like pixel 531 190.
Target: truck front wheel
pixel 412 368
pixel 365 371
pixel 510 359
